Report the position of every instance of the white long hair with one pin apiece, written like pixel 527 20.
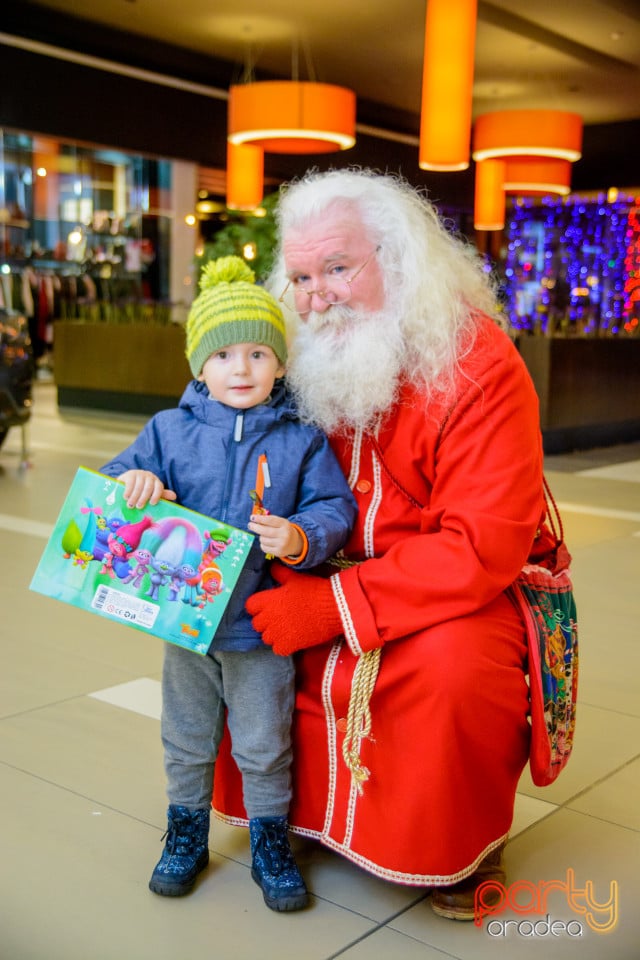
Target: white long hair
pixel 435 281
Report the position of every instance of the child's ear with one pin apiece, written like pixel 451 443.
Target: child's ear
pixel 280 372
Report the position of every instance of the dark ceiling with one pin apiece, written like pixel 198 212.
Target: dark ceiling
pixel 564 55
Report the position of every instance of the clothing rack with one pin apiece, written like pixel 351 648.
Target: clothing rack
pixel 49 290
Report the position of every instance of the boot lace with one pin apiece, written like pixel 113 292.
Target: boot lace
pixel 180 836
pixel 274 847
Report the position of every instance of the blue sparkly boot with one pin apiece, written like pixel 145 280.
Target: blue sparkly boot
pixel 273 867
pixel 185 854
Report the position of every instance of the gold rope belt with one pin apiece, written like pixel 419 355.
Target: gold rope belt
pixel 359 713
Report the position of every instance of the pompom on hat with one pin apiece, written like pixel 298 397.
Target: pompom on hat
pixel 231 308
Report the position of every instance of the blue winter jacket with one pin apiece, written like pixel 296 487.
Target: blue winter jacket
pixel 208 454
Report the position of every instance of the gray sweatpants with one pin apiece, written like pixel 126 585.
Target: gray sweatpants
pixel 257 689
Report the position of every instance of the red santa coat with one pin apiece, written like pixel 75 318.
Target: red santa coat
pixel 449 729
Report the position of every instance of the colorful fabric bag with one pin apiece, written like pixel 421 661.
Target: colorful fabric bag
pixel 543 593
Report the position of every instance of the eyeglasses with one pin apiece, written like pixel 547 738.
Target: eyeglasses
pixel 336 291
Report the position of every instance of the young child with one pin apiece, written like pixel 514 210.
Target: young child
pixel 235 450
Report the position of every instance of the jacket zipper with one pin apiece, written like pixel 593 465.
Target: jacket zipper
pixel 238 429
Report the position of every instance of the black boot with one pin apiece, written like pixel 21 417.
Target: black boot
pixel 273 866
pixel 185 854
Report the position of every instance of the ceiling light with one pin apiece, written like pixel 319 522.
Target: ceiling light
pixel 291 116
pixel 447 84
pixel 245 176
pixel 527 175
pixel 489 202
pixel 531 133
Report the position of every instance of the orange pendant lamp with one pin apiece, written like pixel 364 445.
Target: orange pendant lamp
pixel 447 84
pixel 489 206
pixel 530 175
pixel 536 148
pixel 292 116
pixel 245 176
pixel 528 133
pixel 518 175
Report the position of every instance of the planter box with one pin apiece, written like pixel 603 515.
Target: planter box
pixel 589 390
pixel 130 368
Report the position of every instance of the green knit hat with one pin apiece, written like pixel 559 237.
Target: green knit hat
pixel 231 308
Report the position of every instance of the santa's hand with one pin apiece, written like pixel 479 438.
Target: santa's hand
pixel 300 613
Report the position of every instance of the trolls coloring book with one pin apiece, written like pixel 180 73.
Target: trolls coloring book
pixel 163 569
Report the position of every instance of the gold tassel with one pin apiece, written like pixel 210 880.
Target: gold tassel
pixel 359 714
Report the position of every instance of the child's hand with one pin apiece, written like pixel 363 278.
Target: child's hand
pixel 142 487
pixel 277 536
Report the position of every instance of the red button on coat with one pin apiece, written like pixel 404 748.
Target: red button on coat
pixel 363 486
pixel 341 725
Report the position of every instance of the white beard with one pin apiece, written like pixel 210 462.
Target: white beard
pixel 344 367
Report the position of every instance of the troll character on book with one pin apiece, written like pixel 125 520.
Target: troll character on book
pixel 134 565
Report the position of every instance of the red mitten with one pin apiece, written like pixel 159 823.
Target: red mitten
pixel 301 613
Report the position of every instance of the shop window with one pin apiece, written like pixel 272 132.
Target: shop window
pixel 84 231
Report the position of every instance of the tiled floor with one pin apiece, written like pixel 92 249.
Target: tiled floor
pixel 82 785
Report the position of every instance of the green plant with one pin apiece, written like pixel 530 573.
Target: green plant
pixel 245 231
